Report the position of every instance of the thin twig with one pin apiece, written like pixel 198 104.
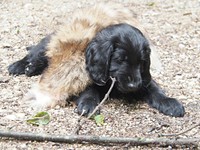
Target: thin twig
pixel 101 140
pixel 105 97
pixel 78 126
pixel 177 134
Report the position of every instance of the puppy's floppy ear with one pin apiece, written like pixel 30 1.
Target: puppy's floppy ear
pixel 146 66
pixel 98 55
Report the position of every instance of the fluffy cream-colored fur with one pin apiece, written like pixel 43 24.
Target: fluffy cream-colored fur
pixel 66 74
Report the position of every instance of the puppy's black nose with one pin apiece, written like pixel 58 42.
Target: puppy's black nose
pixel 134 86
pixel 131 85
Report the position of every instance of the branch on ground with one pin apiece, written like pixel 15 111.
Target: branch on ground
pixel 101 140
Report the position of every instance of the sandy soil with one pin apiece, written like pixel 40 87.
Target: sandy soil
pixel 173 25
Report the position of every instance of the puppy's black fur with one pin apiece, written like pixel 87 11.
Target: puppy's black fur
pixel 34 62
pixel 122 51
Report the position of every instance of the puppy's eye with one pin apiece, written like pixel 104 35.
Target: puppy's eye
pixel 119 60
pixel 129 78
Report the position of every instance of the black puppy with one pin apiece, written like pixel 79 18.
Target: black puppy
pixel 34 62
pixel 121 51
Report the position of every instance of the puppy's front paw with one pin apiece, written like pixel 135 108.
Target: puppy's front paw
pixel 172 107
pixel 86 106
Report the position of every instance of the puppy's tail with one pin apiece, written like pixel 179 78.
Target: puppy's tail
pixel 156 64
pixel 39 99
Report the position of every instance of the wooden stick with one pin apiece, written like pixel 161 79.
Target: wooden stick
pixel 79 124
pixel 100 140
pixel 104 99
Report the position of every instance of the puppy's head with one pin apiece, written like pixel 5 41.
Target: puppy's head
pixel 120 51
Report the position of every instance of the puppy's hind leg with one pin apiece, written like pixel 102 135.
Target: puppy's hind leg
pixel 38 60
pixel 18 67
pixel 156 98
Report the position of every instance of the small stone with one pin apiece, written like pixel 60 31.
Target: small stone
pixel 4 80
pixel 181 46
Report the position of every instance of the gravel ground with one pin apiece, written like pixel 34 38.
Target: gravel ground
pixel 173 25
